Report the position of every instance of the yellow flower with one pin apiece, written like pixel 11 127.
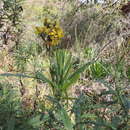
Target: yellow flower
pixel 52 31
pixel 39 30
pixel 54 42
pixel 59 32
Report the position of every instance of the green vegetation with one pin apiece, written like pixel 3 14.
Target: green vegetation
pixel 64 65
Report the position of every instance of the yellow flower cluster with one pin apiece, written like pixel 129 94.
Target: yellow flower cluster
pixel 51 32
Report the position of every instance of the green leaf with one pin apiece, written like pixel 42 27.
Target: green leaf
pixel 11 123
pixel 16 75
pixel 35 121
pixel 75 76
pixel 41 77
pixel 108 92
pixel 67 67
pixel 90 116
pixel 62 114
pixel 116 121
pixel 66 120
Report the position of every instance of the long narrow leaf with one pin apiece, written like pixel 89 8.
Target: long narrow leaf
pixel 41 77
pixel 62 114
pixel 75 76
pixel 16 75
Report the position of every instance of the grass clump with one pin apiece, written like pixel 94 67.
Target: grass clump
pixel 76 79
